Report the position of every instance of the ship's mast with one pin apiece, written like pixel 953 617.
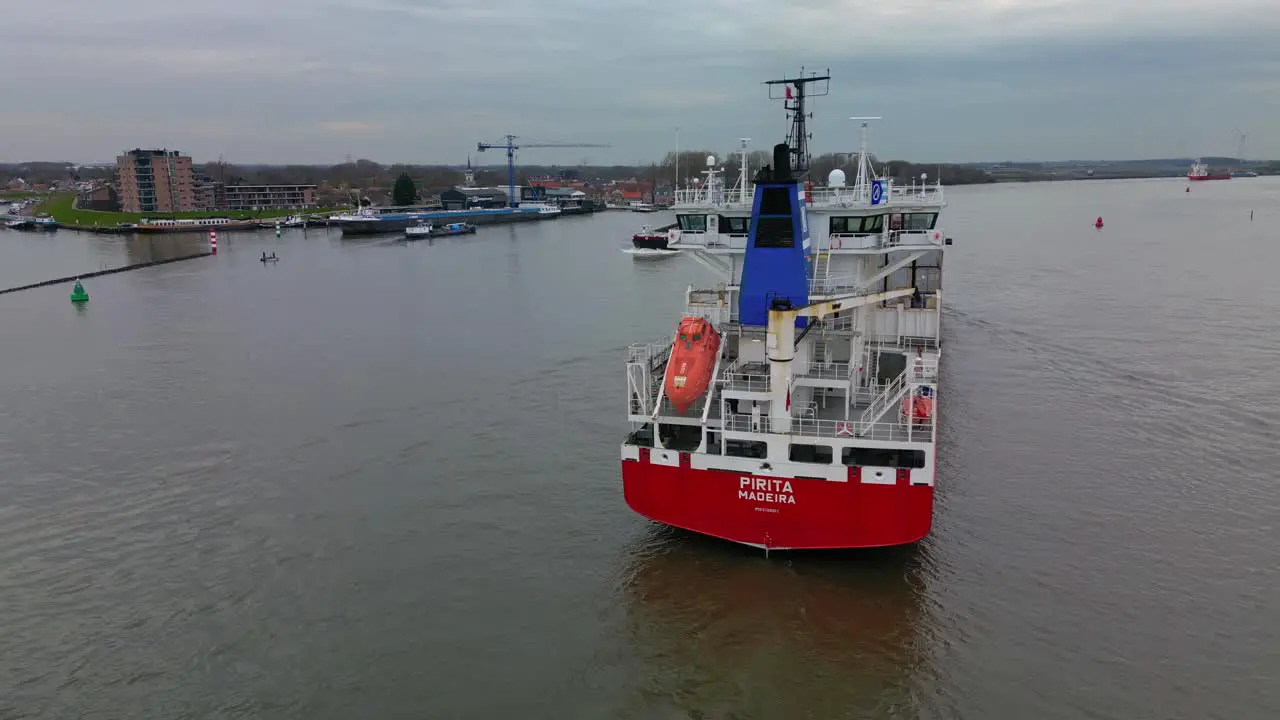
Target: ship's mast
pixel 793 93
pixel 866 173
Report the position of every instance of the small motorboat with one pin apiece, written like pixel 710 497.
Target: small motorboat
pixel 268 258
pixel 432 231
pixel 648 239
pixel 453 229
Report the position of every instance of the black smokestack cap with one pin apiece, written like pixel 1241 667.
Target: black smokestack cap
pixel 781 162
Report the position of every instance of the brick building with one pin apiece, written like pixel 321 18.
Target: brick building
pixel 156 181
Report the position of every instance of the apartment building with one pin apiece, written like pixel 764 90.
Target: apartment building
pixel 269 197
pixel 156 181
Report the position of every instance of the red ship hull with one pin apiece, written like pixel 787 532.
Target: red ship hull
pixel 1220 176
pixel 780 513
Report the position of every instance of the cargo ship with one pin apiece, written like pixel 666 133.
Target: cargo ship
pixel 369 221
pixel 1200 171
pixel 794 406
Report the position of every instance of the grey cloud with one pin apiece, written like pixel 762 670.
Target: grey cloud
pixel 399 80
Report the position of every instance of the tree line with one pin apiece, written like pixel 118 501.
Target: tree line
pixel 691 165
pixel 431 179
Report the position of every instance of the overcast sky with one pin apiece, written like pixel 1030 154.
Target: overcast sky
pixel 423 80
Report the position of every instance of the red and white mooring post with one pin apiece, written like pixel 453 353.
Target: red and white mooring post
pixel 213 241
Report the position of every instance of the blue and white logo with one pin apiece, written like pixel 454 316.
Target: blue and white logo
pixel 877 192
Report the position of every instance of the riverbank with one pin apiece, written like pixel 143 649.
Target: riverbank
pixel 62 208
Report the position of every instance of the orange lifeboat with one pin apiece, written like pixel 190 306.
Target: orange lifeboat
pixel 693 359
pixel 917 409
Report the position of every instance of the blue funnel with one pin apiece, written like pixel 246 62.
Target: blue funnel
pixel 777 265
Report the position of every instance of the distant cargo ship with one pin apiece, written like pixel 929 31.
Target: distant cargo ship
pixel 155 225
pixel 368 221
pixel 1200 171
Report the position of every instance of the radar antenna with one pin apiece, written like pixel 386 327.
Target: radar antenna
pixel 793 93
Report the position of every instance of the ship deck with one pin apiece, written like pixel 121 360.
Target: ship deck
pixel 827 404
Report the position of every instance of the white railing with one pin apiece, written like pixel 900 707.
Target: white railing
pixel 746 382
pixel 843 285
pixel 640 391
pixel 649 353
pixel 885 239
pixel 854 196
pixel 716 197
pixel 745 423
pixel 712 241
pixel 854 241
pixel 890 396
pixel 828 371
pixel 848 284
pixel 923 369
pixel 717 316
pixel 921 431
pixel 719 196
pixel 892 431
pixel 906 342
pixel 917 192
pixel 665 408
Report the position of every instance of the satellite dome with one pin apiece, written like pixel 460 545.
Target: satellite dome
pixel 711 161
pixel 836 178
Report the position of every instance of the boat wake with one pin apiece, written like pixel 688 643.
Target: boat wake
pixel 649 252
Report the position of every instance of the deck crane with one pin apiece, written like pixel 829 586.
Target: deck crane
pixel 511 147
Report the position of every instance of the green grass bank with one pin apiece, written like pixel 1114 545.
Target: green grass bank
pixel 61 207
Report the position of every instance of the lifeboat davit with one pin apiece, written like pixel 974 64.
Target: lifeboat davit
pixel 693 359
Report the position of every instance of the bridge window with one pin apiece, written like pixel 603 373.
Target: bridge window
pixel 921 221
pixel 776 200
pixel 735 225
pixel 692 223
pixel 775 232
pixel 820 454
pixel 857 225
pixel 882 457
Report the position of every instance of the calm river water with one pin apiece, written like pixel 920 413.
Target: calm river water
pixel 382 480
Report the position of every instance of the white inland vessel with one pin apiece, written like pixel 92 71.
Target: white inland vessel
pixel 795 405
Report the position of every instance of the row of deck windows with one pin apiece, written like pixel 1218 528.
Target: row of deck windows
pixel 825 454
pixel 861 224
pixel 727 225
pixel 870 224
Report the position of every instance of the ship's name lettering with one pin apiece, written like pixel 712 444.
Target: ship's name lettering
pixel 766 490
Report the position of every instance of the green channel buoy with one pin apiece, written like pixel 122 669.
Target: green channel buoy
pixel 78 295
